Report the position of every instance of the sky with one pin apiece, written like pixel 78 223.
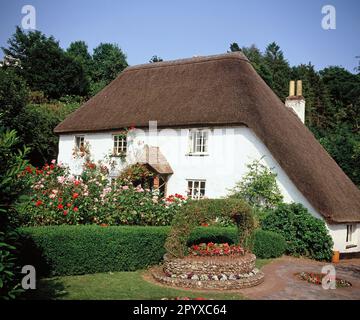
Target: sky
pixel 181 29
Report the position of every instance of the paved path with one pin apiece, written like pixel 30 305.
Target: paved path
pixel 280 282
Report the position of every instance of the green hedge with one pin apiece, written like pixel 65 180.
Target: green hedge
pixel 267 244
pixel 70 250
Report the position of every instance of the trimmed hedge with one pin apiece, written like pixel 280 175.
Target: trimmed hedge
pixel 267 244
pixel 83 249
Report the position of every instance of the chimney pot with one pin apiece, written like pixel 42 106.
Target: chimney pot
pixel 299 88
pixel 292 88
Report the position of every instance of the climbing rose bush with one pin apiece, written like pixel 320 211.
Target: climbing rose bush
pixel 56 197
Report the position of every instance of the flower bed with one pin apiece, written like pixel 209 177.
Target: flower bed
pixel 232 271
pixel 215 249
pixel 316 278
pixel 57 197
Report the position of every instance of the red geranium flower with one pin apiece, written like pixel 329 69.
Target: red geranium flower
pixel 76 182
pixel 60 206
pixel 75 195
pixel 65 212
pixel 68 205
pixel 76 209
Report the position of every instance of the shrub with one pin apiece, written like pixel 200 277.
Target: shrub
pixel 57 197
pixel 70 250
pixel 12 163
pixel 258 187
pixel 305 235
pixel 207 211
pixel 267 244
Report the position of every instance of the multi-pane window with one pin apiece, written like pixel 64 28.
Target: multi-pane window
pixel 199 141
pixel 350 230
pixel 196 189
pixel 79 142
pixel 120 144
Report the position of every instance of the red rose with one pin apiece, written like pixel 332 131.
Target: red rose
pixel 60 206
pixel 68 205
pixel 76 209
pixel 75 195
pixel 65 212
pixel 38 203
pixel 28 169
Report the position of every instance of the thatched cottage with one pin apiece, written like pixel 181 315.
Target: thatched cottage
pixel 209 117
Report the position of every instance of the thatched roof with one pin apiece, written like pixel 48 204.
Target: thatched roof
pixel 222 90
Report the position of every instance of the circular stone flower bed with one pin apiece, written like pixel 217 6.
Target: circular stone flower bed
pixel 316 278
pixel 210 266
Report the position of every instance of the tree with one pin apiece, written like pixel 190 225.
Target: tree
pixel 234 47
pixel 155 59
pixel 109 61
pixel 78 50
pixel 45 66
pixel 13 96
pixel 279 69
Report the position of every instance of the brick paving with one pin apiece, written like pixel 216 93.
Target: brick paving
pixel 281 284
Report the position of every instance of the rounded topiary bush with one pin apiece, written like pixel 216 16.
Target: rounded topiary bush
pixel 305 235
pixel 267 244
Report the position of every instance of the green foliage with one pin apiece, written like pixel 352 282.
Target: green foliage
pixel 9 270
pixel 344 147
pixel 13 96
pixel 279 69
pixel 38 135
pixel 109 61
pixel 305 235
pixel 258 187
pixel 207 211
pixel 68 250
pixel 12 164
pixel 45 66
pixel 267 244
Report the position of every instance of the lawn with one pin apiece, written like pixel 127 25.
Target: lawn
pixel 119 286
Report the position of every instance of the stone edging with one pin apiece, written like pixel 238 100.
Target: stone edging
pixel 251 281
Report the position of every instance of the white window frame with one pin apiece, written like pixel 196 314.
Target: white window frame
pixel 119 145
pixel 350 233
pixel 196 188
pixel 81 142
pixel 199 141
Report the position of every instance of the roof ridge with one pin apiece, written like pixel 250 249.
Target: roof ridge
pixel 196 59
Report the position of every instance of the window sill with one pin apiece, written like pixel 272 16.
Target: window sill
pixel 350 246
pixel 197 154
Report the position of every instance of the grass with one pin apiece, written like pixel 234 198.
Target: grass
pixel 118 286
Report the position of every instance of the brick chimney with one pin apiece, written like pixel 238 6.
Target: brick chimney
pixel 296 102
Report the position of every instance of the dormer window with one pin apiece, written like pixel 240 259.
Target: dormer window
pixel 198 140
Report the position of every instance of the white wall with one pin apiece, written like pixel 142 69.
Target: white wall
pixel 230 150
pixel 338 233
